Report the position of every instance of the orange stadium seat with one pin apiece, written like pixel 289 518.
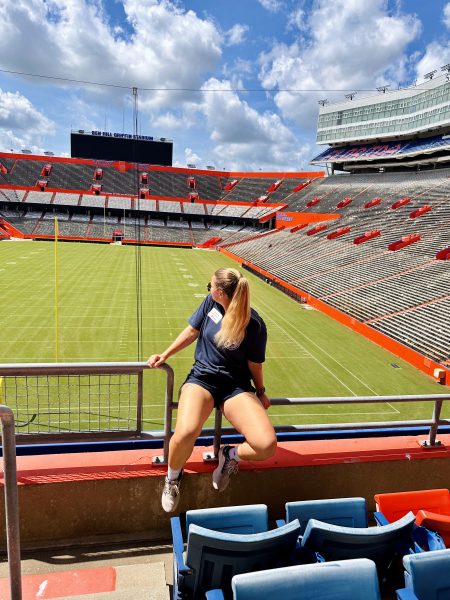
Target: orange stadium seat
pixel 431 507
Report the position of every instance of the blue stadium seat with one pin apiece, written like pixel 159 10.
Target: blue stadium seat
pixel 213 556
pixel 252 518
pixel 349 512
pixel 427 576
pixel 340 580
pixel 380 544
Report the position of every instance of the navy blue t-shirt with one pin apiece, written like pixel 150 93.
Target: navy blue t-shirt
pixel 223 362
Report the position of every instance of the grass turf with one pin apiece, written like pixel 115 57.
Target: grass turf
pixel 308 354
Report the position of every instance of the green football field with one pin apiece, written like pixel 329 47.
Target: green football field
pixel 308 354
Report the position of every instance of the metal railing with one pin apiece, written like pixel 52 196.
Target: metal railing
pixel 78 398
pixel 433 423
pixel 94 371
pixel 11 501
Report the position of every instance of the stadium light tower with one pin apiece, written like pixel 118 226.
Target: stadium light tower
pixel 430 75
pixel 323 102
pixel 446 68
pixel 350 96
pixel 383 88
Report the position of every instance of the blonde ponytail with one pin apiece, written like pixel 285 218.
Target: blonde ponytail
pixel 237 316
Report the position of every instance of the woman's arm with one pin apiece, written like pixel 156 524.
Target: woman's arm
pixel 186 337
pixel 256 371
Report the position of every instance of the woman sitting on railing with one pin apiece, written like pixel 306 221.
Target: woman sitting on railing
pixel 231 343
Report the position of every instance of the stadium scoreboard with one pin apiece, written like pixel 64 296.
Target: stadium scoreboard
pixel 104 145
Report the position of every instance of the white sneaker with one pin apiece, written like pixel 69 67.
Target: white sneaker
pixel 227 466
pixel 171 494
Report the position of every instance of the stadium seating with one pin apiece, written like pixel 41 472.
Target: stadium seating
pixel 380 544
pixel 341 580
pixel 349 512
pixel 222 542
pixel 427 576
pixel 431 507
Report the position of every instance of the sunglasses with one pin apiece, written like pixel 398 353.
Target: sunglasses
pixel 208 287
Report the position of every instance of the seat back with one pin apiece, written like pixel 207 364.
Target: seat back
pixel 379 544
pixel 340 580
pixel 428 574
pixel 214 557
pixel 435 522
pixel 252 518
pixel 396 504
pixel 349 512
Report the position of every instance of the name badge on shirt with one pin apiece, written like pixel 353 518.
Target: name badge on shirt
pixel 215 315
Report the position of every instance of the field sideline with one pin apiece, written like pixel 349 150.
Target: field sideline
pixel 308 353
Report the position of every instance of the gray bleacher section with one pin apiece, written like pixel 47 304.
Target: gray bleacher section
pixel 66 199
pixel 190 208
pixel 169 234
pixel 119 182
pixel 24 173
pixel 7 162
pixel 144 205
pixel 11 195
pixel 285 189
pixel 100 230
pixel 172 185
pixel 39 197
pixel 207 186
pixel 102 219
pixel 248 189
pixel 404 293
pixel 169 206
pixel 25 224
pixel 119 202
pixel 70 176
pixel 94 201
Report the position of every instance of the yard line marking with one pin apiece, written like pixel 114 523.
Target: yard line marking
pixel 332 358
pixel 314 357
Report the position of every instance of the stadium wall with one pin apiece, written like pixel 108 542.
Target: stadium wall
pixel 417 360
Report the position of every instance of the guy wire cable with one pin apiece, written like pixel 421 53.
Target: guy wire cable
pixel 137 234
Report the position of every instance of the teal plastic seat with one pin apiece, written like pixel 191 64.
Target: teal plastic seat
pixel 216 553
pixel 379 544
pixel 251 518
pixel 348 512
pixel 427 576
pixel 340 580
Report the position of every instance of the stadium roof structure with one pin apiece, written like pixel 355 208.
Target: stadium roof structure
pixel 405 153
pixel 402 128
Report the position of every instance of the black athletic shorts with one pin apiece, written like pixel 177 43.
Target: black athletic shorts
pixel 220 389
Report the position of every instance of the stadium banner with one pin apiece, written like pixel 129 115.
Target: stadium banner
pixel 291 219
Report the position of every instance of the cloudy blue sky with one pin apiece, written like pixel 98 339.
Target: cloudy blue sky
pixel 235 83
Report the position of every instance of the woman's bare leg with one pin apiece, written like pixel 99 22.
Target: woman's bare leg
pixel 194 407
pixel 247 415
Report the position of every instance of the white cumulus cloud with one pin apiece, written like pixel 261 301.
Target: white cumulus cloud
pixel 169 47
pixel 21 124
pixel 446 17
pixel 245 138
pixel 347 47
pixel 236 35
pixel 271 5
